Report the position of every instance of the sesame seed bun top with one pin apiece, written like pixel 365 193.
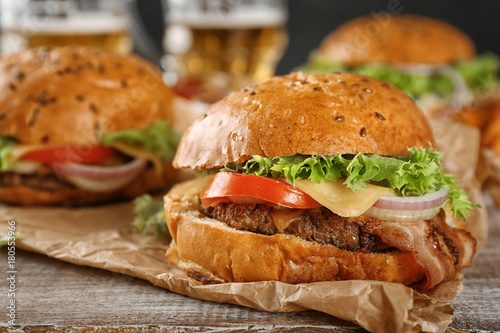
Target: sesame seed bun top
pixel 63 95
pixel 402 39
pixel 305 114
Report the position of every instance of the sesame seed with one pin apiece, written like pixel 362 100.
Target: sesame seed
pixel 19 75
pixel 366 90
pixel 33 118
pixel 362 97
pixel 44 138
pixel 93 108
pixel 339 118
pixel 379 116
pixel 362 132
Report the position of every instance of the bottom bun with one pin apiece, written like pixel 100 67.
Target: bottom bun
pixel 211 251
pixel 148 181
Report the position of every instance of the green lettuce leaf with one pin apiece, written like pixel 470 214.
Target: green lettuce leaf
pixel 480 74
pixel 150 216
pixel 6 145
pixel 160 139
pixel 317 63
pixel 5 239
pixel 413 84
pixel 415 174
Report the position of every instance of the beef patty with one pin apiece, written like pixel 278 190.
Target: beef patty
pixel 318 224
pixel 37 181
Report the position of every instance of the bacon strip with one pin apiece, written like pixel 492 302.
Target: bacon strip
pixel 438 248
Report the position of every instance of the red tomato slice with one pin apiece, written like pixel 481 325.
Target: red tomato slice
pixel 70 154
pixel 238 188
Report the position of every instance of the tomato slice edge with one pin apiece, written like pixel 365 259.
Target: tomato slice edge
pixel 71 154
pixel 237 188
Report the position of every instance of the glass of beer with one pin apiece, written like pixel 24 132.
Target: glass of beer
pixel 90 23
pixel 222 44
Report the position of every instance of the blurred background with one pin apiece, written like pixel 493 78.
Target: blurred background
pixel 306 22
pixel 310 20
pixel 228 43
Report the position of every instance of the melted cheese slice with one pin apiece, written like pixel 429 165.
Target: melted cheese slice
pixel 340 199
pixel 191 187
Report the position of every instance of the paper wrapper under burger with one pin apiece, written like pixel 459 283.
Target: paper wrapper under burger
pixel 103 237
pixel 492 183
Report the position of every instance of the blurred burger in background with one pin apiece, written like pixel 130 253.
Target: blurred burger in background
pixel 82 126
pixel 431 60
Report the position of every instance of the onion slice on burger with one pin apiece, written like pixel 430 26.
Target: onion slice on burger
pixel 99 171
pixel 408 209
pixel 402 215
pixel 98 178
pixel 425 201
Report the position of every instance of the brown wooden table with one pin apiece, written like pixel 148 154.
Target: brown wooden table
pixel 55 296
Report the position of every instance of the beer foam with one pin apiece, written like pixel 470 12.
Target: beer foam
pixel 84 23
pixel 243 18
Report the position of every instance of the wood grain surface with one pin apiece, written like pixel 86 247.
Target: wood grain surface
pixel 56 296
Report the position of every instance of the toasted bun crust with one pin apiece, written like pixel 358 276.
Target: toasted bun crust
pixel 148 181
pixel 397 39
pixel 305 114
pixel 61 96
pixel 211 251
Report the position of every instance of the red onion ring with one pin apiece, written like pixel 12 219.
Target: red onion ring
pixel 402 215
pixel 425 201
pixel 99 171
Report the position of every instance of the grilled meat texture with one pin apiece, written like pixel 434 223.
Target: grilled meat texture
pixel 319 225
pixel 37 181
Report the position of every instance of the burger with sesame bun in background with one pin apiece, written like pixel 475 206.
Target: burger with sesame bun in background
pixel 317 177
pixel 82 126
pixel 431 60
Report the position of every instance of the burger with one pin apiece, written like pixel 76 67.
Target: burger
pixel 317 177
pixel 82 126
pixel 431 60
